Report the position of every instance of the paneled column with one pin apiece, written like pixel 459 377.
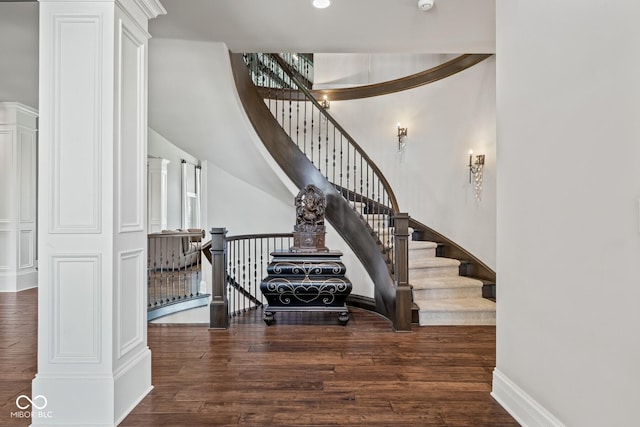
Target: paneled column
pixel 17 197
pixel 157 194
pixel 94 365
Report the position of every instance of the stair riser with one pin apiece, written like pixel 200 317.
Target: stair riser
pixel 457 318
pixel 415 254
pixel 418 273
pixel 446 293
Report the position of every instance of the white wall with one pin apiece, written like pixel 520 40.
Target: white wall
pixel 568 233
pixel 19 47
pixel 445 120
pixel 334 70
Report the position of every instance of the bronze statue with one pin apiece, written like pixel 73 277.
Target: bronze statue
pixel 309 231
pixel 309 209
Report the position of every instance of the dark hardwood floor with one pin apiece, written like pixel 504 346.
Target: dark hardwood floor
pixel 18 351
pixel 305 370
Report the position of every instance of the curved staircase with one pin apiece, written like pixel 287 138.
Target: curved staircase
pixel 360 203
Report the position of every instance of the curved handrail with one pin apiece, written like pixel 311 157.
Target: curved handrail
pixel 452 250
pixel 365 156
pixel 246 265
pixel 259 236
pixel 431 75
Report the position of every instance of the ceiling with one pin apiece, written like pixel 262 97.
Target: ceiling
pixel 348 26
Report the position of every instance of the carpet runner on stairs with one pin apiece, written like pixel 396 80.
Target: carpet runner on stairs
pixel 445 297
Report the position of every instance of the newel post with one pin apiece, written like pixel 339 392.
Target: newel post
pixel 402 320
pixel 219 307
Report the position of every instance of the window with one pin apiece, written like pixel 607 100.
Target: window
pixel 191 184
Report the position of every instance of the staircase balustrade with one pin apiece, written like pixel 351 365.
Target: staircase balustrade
pixel 239 264
pixel 328 146
pixel 174 272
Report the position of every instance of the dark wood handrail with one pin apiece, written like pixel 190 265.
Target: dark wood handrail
pixel 173 233
pixel 431 75
pixel 372 165
pixel 452 250
pixel 259 236
pixel 206 250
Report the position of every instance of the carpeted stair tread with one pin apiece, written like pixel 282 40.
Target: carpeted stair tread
pixel 432 262
pixel 421 244
pixel 465 311
pixel 446 282
pixel 461 304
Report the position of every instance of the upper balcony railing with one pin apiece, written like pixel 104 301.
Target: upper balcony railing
pixel 174 272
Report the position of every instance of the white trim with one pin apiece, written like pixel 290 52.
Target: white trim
pixel 124 288
pixel 151 8
pixel 87 218
pixel 519 404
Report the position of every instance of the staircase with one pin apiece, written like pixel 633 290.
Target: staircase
pixel 312 148
pixel 442 295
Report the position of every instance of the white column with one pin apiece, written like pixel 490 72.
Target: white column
pixel 94 365
pixel 17 197
pixel 157 194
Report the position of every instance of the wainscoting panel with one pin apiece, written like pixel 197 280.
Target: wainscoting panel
pixel 6 174
pixel 26 249
pixel 130 302
pixel 75 308
pixel 131 131
pixel 6 253
pixel 27 176
pixel 76 137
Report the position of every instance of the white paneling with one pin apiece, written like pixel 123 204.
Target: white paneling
pixel 25 249
pixel 75 308
pixel 76 120
pixel 6 172
pixel 157 184
pixel 157 177
pixel 27 176
pixel 130 301
pixel 6 257
pixel 131 132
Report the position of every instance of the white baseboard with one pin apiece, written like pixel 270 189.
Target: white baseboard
pixel 519 404
pixel 18 282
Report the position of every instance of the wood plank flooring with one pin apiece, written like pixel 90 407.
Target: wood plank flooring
pixel 18 351
pixel 305 370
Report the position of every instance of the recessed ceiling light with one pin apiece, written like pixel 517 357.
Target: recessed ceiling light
pixel 321 4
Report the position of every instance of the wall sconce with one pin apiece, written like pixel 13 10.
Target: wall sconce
pixel 325 103
pixel 402 136
pixel 475 170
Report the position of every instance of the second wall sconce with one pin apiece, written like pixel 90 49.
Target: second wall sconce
pixel 325 103
pixel 475 170
pixel 402 136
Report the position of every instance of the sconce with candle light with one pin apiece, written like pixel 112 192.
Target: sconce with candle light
pixel 324 103
pixel 476 170
pixel 402 136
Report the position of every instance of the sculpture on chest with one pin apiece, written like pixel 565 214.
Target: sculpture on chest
pixel 308 276
pixel 309 230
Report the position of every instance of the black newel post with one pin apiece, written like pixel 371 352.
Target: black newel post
pixel 219 307
pixel 402 321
